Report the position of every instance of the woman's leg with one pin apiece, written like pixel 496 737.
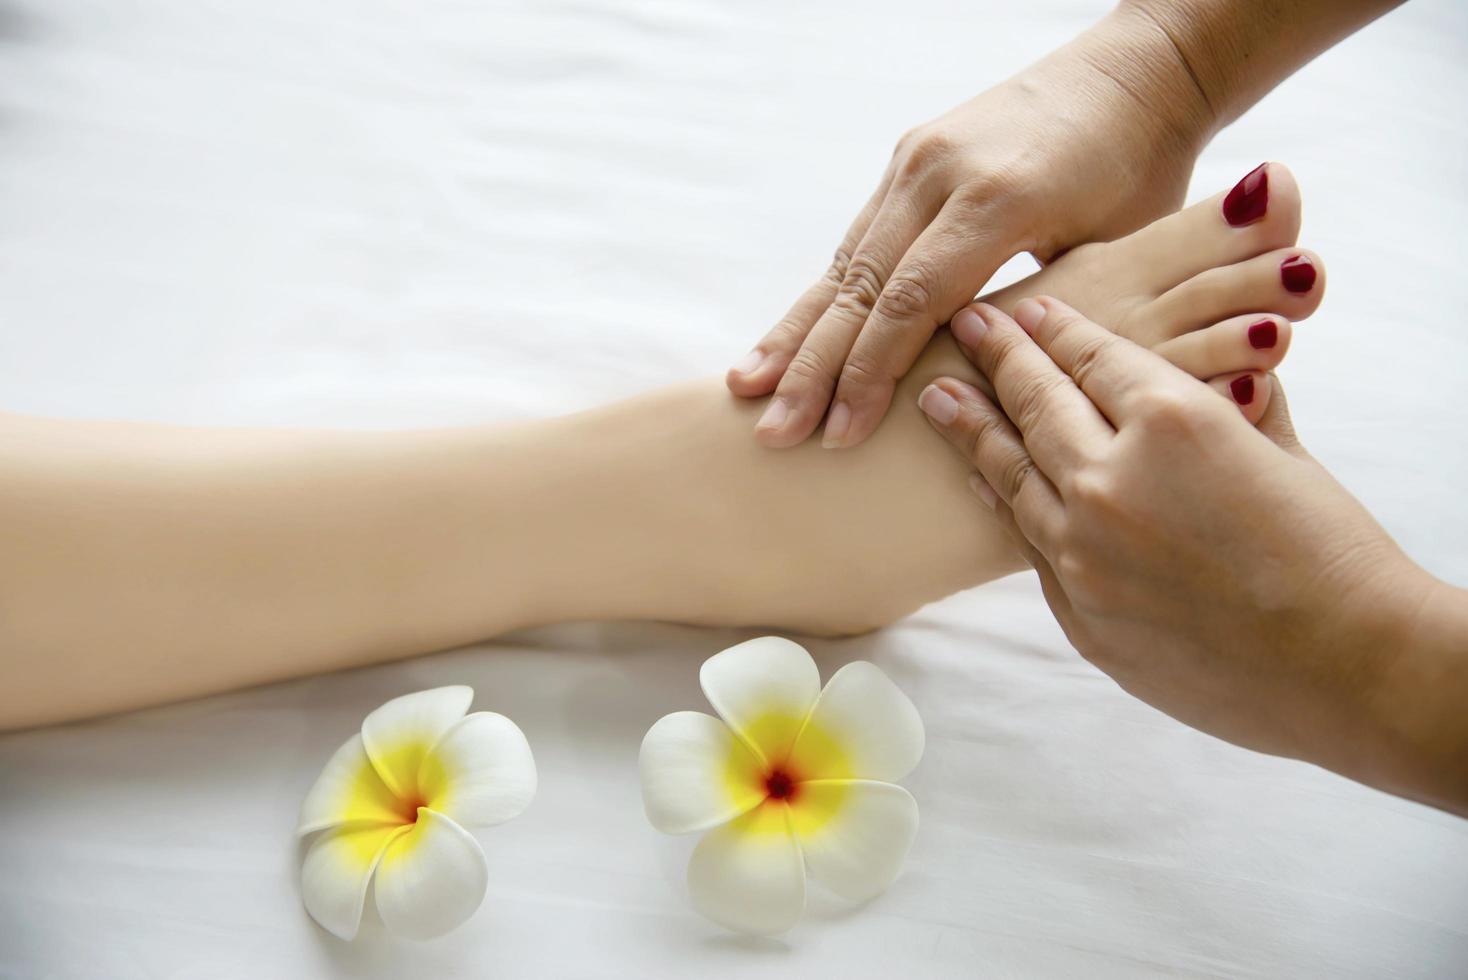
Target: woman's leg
pixel 144 563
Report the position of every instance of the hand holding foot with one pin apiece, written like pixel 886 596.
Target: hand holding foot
pixel 1213 569
pixel 1124 107
pixel 1014 169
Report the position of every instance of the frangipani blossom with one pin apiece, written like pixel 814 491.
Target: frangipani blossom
pixel 793 778
pixel 394 801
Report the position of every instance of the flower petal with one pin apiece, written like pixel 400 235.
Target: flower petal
pixel 399 734
pixel 763 688
pixel 855 834
pixel 696 774
pixel 480 772
pixel 748 874
pixel 335 873
pixel 348 791
pixel 432 878
pixel 862 727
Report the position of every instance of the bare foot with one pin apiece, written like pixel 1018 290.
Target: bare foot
pixel 1214 299
pixel 838 541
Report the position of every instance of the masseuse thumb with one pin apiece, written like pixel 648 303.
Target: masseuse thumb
pixel 1276 422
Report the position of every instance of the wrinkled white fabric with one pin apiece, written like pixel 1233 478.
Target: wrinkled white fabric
pixel 374 213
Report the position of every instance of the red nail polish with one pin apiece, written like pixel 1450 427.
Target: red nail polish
pixel 1263 335
pixel 1297 273
pixel 1249 199
pixel 1242 388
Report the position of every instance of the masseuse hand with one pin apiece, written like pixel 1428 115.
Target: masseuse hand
pixel 1091 143
pixel 1213 569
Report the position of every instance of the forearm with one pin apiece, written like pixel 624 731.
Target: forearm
pixel 1421 708
pixel 1235 51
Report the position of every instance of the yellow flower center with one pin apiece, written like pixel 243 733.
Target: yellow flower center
pixel 798 757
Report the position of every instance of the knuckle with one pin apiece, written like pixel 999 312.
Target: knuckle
pixel 1090 489
pixel 1090 353
pixel 1167 410
pixel 981 430
pixel 861 373
pixel 836 271
pixel 1031 396
pixel 809 367
pixel 905 297
pixel 989 183
pixel 925 149
pixel 1102 505
pixel 1084 584
pixel 1070 567
pixel 861 286
pixel 1015 470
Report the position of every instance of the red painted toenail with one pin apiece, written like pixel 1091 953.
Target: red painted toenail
pixel 1297 273
pixel 1263 335
pixel 1242 388
pixel 1249 199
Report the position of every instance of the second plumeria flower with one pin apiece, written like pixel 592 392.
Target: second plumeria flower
pixel 792 778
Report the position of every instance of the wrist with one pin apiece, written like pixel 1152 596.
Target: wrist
pixel 1235 51
pixel 1418 714
pixel 1137 57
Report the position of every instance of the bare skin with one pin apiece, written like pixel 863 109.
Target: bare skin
pixel 146 563
pixel 1127 107
pixel 1214 569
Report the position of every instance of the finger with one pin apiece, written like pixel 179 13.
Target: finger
pixel 946 266
pixel 804 391
pixel 1005 516
pixel 1059 425
pixel 982 434
pixel 757 373
pixel 1108 368
pixel 1249 390
pixel 1055 595
pixel 1276 422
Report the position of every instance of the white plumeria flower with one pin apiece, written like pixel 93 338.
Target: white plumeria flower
pixel 793 778
pixel 395 800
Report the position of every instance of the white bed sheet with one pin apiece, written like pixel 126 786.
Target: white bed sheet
pixel 396 213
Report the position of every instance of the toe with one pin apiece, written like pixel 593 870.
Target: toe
pixel 1249 390
pixel 1259 214
pixel 1289 282
pixel 1254 342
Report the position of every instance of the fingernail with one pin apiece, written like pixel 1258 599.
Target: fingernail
pixel 938 405
pixel 775 415
pixel 1263 335
pixel 1297 273
pixel 968 327
pixel 836 425
pixel 1242 388
pixel 1249 199
pixel 1029 315
pixel 982 490
pixel 749 362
